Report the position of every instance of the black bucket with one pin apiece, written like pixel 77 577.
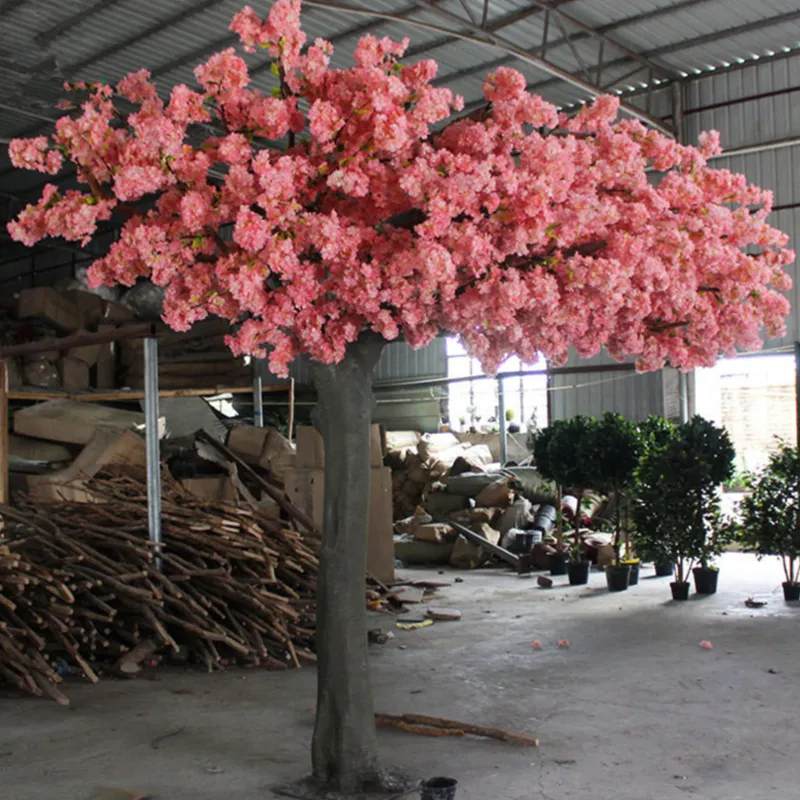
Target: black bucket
pixel 557 563
pixel 523 542
pixel 545 519
pixel 618 577
pixel 705 580
pixel 438 789
pixel 634 579
pixel 680 590
pixel 578 572
pixel 664 569
pixel 791 592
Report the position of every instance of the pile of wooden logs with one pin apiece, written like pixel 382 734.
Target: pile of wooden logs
pixel 82 586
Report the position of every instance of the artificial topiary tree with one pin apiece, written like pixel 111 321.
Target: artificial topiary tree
pixel 611 453
pixel 675 499
pixel 327 217
pixel 564 462
pixel 770 511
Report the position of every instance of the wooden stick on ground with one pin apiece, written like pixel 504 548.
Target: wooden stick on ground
pixel 403 722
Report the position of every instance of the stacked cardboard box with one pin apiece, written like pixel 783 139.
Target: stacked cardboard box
pixel 305 485
pixel 185 360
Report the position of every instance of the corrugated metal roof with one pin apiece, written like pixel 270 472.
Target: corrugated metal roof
pixel 42 43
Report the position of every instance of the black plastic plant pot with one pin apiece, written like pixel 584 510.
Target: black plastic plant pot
pixel 438 789
pixel 634 565
pixel 664 569
pixel 680 590
pixel 557 563
pixel 791 591
pixel 578 572
pixel 705 580
pixel 618 577
pixel 523 543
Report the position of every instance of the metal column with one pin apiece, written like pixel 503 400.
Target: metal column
pixel 683 390
pixel 258 401
pixel 797 387
pixel 501 422
pixel 152 444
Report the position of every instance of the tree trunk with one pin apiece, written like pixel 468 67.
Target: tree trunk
pixel 344 751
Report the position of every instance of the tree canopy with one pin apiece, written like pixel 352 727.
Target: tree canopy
pixel 350 200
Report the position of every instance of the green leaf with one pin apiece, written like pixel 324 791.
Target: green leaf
pixel 275 69
pixel 276 91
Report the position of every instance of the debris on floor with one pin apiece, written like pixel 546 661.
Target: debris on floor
pixel 81 592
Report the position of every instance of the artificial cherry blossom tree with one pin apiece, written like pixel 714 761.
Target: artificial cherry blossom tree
pixel 346 209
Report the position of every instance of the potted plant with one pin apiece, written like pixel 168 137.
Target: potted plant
pixel 612 451
pixel 769 516
pixel 655 432
pixel 676 498
pixel 563 463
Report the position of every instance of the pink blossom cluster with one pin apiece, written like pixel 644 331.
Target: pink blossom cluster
pixel 519 229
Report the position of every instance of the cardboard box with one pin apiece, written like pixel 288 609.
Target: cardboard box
pixel 88 353
pixel 380 539
pixel 214 488
pixel 116 313
pixel 248 442
pixel 74 374
pixel 74 422
pixel 51 306
pixel 306 489
pixel 263 447
pixel 90 306
pixel 116 452
pixel 311 448
pixel 105 368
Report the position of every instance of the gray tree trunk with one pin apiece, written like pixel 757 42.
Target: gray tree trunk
pixel 344 750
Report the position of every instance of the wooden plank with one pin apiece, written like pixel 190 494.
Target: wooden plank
pixel 477 539
pixel 121 395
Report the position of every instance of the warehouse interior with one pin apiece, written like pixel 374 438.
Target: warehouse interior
pixel 125 441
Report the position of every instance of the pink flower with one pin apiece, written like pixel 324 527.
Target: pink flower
pixel 504 84
pixel 34 154
pixel 251 231
pixel 222 72
pixel 248 25
pixel 563 643
pixel 234 149
pixel 186 106
pixel 325 120
pixel 134 182
pixel 137 87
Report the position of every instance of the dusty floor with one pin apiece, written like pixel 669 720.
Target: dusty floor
pixel 634 709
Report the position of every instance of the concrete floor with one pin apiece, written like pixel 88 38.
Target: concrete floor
pixel 635 709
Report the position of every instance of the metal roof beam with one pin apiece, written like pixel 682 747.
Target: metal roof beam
pixel 698 41
pixel 506 21
pixel 597 33
pixel 66 25
pixel 176 19
pixel 357 30
pixel 492 40
pixel 602 30
pixel 11 5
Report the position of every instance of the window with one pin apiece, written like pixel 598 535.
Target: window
pixel 753 397
pixel 474 403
